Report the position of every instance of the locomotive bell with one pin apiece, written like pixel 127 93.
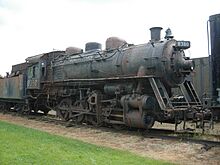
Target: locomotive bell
pixel 168 34
pixel 155 33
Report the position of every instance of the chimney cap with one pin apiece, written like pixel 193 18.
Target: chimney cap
pixel 156 27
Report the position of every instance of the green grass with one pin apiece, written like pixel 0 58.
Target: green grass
pixel 20 145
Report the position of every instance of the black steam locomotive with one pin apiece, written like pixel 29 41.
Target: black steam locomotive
pixel 123 85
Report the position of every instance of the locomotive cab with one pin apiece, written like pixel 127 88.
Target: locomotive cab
pixel 36 71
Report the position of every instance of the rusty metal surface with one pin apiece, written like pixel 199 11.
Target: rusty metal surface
pixel 73 50
pixel 201 77
pixel 21 68
pixel 123 85
pixel 34 59
pixel 154 59
pixel 114 43
pixel 12 88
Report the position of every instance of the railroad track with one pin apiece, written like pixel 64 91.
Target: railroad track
pixel 184 137
pixel 164 134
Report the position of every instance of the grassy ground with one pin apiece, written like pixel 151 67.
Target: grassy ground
pixel 20 145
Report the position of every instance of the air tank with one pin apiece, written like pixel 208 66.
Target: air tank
pixel 215 52
pixel 90 46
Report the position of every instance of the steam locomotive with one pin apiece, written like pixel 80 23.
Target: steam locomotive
pixel 123 85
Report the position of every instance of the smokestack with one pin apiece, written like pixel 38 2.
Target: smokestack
pixel 155 33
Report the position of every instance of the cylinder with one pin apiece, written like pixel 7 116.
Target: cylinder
pixel 137 120
pixel 215 51
pixel 136 102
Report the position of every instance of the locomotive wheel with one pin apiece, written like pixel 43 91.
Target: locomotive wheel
pixel 93 121
pixel 25 109
pixel 119 127
pixel 5 107
pixel 80 117
pixel 1 106
pixel 63 109
pixel 46 112
pixel 149 121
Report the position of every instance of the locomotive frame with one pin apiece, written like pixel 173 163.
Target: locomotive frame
pixel 124 85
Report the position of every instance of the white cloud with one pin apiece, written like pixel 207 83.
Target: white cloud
pixel 30 27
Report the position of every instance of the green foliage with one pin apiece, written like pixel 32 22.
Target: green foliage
pixel 20 145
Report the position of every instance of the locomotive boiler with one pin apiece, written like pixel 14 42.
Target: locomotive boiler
pixel 164 59
pixel 122 85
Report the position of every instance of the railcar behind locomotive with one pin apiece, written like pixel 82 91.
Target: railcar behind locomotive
pixel 123 85
pixel 206 76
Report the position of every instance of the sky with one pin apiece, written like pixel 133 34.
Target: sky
pixel 31 27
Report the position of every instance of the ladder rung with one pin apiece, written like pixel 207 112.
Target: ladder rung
pixel 115 122
pixel 115 115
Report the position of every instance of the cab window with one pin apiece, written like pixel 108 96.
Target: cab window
pixel 34 72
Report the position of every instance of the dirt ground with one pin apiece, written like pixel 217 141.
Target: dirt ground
pixel 171 151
